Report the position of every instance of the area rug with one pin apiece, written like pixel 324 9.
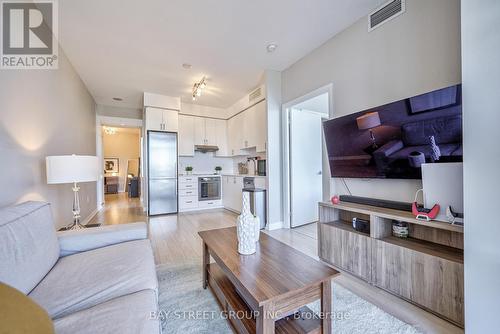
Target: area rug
pixel 186 308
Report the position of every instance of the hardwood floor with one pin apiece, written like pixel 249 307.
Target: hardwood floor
pixel 175 240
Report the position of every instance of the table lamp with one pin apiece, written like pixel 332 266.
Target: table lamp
pixel 63 169
pixel 368 122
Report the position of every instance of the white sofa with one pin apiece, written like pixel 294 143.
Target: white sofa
pixel 96 280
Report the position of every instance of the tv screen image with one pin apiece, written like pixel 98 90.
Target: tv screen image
pixel 393 140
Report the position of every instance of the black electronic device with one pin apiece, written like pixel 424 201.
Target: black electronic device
pixel 361 225
pixel 382 203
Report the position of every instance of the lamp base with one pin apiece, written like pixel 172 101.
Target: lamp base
pixel 75 226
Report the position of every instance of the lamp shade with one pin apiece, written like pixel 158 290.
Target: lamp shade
pixel 368 121
pixel 71 168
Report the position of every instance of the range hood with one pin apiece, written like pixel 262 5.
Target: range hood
pixel 206 148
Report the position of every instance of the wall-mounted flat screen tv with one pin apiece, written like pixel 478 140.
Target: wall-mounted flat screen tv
pixel 392 141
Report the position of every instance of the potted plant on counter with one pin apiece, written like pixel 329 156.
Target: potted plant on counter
pixel 218 169
pixel 189 170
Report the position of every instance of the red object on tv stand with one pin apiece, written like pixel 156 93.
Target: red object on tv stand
pixel 424 214
pixel 335 199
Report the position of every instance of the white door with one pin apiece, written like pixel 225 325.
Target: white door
pixel 306 167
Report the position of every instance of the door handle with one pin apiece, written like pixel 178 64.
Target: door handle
pixel 319 173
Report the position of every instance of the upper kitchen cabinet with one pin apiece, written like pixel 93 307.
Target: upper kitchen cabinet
pixel 200 137
pixel 235 126
pixel 248 129
pixel 221 138
pixel 211 132
pixel 186 135
pixel 161 112
pixel 261 126
pixel 161 119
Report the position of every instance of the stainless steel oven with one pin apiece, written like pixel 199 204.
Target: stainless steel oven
pixel 209 188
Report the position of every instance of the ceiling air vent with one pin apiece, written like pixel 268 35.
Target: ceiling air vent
pixel 387 12
pixel 255 94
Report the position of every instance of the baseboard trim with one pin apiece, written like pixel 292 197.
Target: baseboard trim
pixel 274 226
pixel 90 216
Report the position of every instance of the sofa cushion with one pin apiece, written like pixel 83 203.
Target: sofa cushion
pixel 86 279
pixel 445 130
pixel 28 244
pixel 127 314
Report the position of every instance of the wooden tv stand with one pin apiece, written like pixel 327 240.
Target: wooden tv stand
pixel 426 269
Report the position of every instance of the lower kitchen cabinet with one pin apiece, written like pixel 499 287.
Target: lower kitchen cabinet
pixel 188 196
pixel 232 193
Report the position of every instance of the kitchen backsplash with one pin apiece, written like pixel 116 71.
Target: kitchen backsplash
pixel 205 163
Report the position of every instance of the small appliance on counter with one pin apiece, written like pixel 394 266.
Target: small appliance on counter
pixel 261 167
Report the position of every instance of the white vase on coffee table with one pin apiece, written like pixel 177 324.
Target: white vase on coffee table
pixel 247 230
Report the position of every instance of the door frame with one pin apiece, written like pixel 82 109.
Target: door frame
pixel 118 122
pixel 286 108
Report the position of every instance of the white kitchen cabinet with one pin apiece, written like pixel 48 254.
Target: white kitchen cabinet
pixel 248 129
pixel 211 131
pixel 186 135
pixel 221 138
pixel 260 135
pixel 232 187
pixel 235 126
pixel 161 119
pixel 199 131
pixel 206 131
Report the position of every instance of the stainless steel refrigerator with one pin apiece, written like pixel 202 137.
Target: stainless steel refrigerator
pixel 162 173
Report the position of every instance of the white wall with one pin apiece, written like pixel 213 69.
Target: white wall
pixel 414 53
pixel 274 151
pixel 44 112
pixel 481 87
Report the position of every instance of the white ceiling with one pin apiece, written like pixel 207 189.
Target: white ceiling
pixel 122 48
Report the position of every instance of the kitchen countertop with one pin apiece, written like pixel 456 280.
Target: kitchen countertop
pixel 200 175
pixel 242 175
pixel 219 175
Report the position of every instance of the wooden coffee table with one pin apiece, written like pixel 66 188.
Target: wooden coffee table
pixel 267 292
